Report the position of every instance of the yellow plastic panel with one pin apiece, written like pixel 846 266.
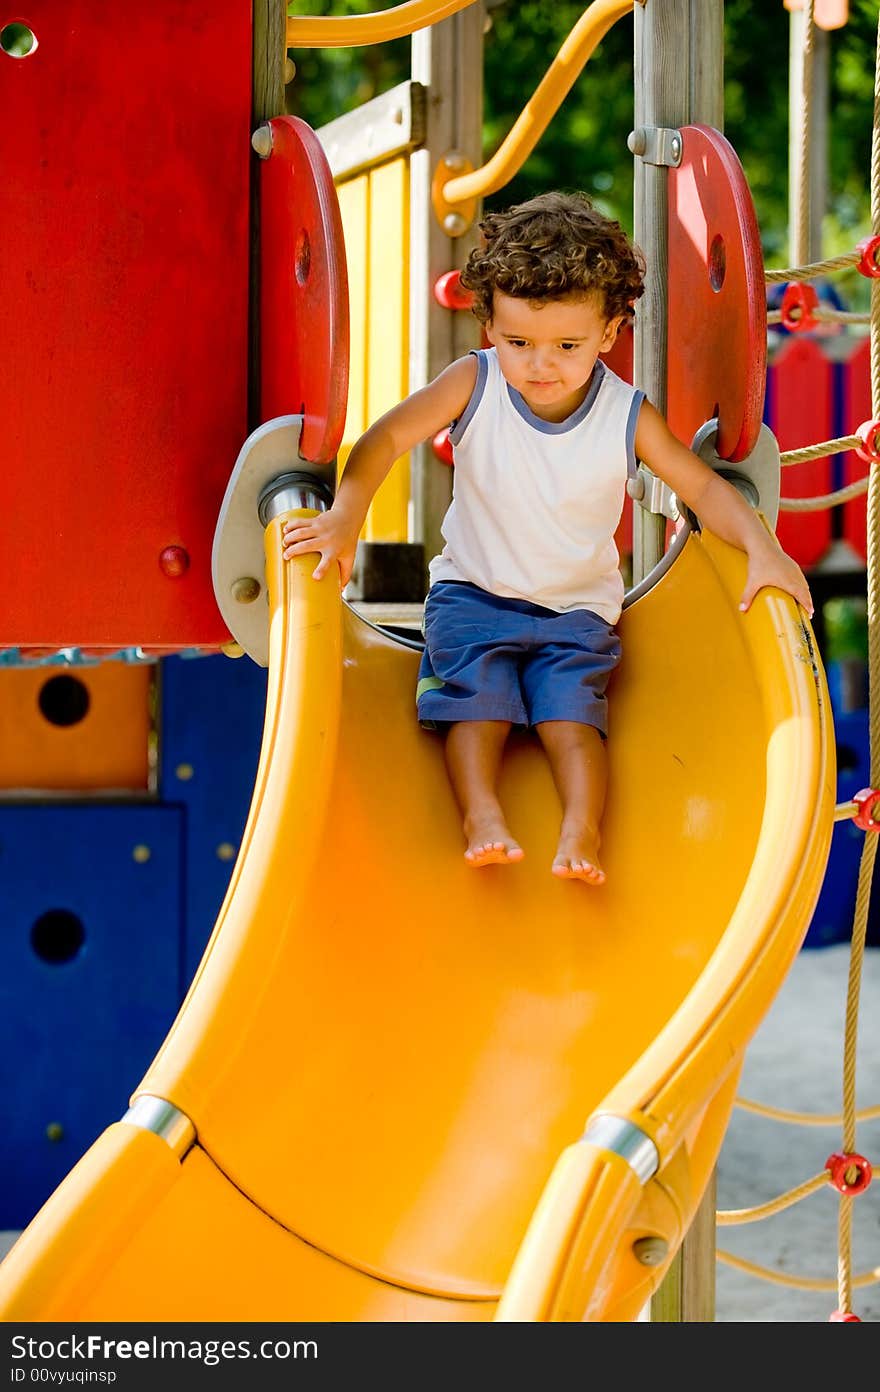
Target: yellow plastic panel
pixel 354 207
pixel 388 346
pixel 157 1238
pixel 43 746
pixel 387 1052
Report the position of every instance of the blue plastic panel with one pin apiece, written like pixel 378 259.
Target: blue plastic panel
pixel 80 1021
pixel 211 724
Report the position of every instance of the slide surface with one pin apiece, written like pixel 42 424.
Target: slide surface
pixel 389 1059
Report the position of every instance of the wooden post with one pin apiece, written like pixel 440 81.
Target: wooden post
pixel 269 58
pixel 807 147
pixel 679 80
pixel 447 58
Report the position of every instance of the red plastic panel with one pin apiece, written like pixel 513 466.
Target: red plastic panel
pixel 801 399
pixel 125 150
pixel 855 402
pixel 304 290
pixel 717 331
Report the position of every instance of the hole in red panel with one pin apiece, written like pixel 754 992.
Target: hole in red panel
pixel 18 40
pixel 302 257
pixel 717 263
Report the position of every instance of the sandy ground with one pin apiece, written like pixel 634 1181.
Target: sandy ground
pixel 795 1061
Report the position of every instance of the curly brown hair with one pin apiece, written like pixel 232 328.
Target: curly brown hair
pixel 552 247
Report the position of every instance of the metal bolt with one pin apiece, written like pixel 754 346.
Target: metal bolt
pixel 225 851
pixel 650 1251
pixel 184 772
pixel 54 1131
pixel 141 854
pixel 174 561
pixel 262 141
pixel 637 141
pixel 245 589
pixel 455 160
pixel 676 147
pixel 231 649
pixel 289 70
pixel 454 224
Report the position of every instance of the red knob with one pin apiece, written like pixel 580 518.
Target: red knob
pixel 174 561
pixel 843 1317
pixel 450 293
pixel 443 446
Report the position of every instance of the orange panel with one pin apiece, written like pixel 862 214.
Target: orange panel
pixel 79 729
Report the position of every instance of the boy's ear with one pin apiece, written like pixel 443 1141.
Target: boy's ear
pixel 489 331
pixel 612 329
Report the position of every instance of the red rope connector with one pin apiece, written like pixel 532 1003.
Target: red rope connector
pixel 798 303
pixel 867 800
pixel 869 247
pixel 844 1317
pixel 869 434
pixel 451 294
pixel 442 446
pixel 849 1173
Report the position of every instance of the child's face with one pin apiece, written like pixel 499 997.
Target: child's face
pixel 548 351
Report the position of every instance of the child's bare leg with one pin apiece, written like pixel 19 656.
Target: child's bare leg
pixel 473 758
pixel 580 772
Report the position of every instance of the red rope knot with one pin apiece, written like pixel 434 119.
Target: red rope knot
pixel 849 1173
pixel 442 446
pixel 798 303
pixel 451 294
pixel 867 801
pixel 869 434
pixel 868 249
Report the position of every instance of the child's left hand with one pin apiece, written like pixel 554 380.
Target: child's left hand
pixel 770 565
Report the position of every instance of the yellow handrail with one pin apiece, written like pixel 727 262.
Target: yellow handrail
pixel 350 31
pixel 535 117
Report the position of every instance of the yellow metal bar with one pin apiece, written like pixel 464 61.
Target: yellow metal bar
pixel 351 31
pixel 532 122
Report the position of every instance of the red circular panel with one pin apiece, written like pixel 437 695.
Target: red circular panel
pixel 717 298
pixel 303 290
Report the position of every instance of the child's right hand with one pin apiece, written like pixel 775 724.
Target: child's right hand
pixel 331 533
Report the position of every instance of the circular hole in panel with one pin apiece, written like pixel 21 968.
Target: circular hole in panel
pixel 57 936
pixel 302 257
pixel 18 40
pixel 64 700
pixel 717 263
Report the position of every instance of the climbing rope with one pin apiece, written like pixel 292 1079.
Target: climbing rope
pixel 849 1172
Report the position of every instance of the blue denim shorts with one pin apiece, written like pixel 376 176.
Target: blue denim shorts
pixel 487 657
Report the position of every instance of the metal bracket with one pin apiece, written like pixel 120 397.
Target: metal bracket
pixel 656 145
pixel 757 477
pixel 269 460
pixel 652 494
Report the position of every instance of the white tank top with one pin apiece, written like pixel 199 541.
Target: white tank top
pixel 536 503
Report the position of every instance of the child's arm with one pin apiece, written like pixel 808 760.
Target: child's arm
pixel 720 508
pixel 335 533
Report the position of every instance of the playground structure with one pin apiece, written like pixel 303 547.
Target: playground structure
pixel 468 1063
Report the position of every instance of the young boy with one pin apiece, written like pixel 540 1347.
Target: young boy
pixel 524 597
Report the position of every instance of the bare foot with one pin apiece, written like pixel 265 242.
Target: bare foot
pixel 577 858
pixel 490 843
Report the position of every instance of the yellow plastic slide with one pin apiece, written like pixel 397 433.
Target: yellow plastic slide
pixel 404 1089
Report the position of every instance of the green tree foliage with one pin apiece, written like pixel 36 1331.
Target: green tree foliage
pixel 585 145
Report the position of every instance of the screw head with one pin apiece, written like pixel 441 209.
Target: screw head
pixel 454 224
pixel 650 1251
pixel 245 589
pixel 261 140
